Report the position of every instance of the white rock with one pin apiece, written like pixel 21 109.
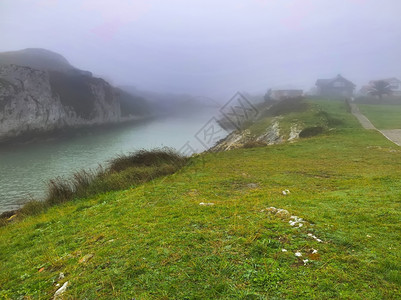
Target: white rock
pixel 298 254
pixel 314 237
pixel 206 204
pixel 60 291
pixel 283 250
pixel 285 192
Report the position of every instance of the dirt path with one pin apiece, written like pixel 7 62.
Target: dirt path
pixel 393 135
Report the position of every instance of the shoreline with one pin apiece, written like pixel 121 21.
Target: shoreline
pixel 65 135
pixel 35 136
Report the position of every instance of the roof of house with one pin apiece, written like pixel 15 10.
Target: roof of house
pixel 325 82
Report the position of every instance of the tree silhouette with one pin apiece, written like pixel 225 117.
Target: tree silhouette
pixel 380 88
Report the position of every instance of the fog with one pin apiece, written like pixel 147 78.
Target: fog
pixel 212 48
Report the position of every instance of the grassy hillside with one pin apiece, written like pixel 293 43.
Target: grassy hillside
pixel 382 116
pixel 207 231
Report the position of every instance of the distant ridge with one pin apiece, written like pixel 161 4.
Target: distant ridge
pixel 36 58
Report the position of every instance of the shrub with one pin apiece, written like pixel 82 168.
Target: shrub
pixel 154 157
pixel 59 191
pixel 310 131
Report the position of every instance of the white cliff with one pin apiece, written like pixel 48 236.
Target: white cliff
pixel 31 102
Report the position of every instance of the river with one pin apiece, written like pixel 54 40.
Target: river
pixel 25 169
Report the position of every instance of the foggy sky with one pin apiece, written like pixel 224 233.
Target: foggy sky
pixel 213 47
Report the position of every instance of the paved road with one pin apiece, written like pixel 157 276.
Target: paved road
pixel 361 118
pixel 393 135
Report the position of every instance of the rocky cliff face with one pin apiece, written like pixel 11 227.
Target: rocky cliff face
pixel 34 100
pixel 41 91
pixel 26 102
pixel 247 139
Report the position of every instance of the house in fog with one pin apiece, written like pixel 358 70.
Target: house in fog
pixel 335 87
pixel 284 94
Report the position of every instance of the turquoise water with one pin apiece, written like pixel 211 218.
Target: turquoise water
pixel 26 169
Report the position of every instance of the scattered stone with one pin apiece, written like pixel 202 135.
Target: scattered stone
pixel 305 261
pixel 298 254
pixel 206 204
pixel 283 250
pixel 279 212
pixel 86 258
pixel 314 251
pixel 314 237
pixel 368 236
pixel 252 185
pixel 296 221
pixel 61 276
pixel 60 291
pixel 282 213
pixel 285 192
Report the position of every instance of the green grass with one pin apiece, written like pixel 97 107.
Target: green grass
pixel 155 241
pixel 382 116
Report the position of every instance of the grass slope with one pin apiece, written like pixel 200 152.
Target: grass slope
pixel 382 116
pixel 155 241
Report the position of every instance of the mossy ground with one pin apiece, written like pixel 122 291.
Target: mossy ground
pixel 155 241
